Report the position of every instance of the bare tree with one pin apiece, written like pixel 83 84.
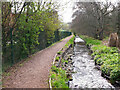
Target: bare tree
pixel 93 17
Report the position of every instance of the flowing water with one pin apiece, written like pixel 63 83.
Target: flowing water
pixel 86 75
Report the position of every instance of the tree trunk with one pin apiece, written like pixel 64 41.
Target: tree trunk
pixel 101 35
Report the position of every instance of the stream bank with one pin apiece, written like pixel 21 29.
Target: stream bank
pixel 86 74
pixel 79 69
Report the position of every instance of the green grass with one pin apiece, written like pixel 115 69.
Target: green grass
pixel 57 58
pixel 90 41
pixel 64 61
pixel 106 57
pixel 71 41
pixel 58 78
pixel 59 53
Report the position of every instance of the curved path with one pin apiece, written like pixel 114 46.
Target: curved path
pixel 35 72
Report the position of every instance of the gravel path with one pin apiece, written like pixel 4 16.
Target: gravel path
pixel 35 72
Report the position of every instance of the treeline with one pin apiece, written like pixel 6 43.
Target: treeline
pixel 95 19
pixel 28 27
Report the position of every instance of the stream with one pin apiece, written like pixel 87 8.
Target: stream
pixel 86 74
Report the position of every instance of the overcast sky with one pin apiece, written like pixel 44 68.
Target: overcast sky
pixel 68 5
pixel 66 11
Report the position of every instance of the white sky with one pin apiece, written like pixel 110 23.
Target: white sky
pixel 66 11
pixel 66 14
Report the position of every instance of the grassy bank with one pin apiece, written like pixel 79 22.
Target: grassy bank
pixel 106 57
pixel 71 41
pixel 58 75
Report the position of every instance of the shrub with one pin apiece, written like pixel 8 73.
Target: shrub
pixel 106 69
pixel 107 57
pixel 98 49
pixel 115 74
